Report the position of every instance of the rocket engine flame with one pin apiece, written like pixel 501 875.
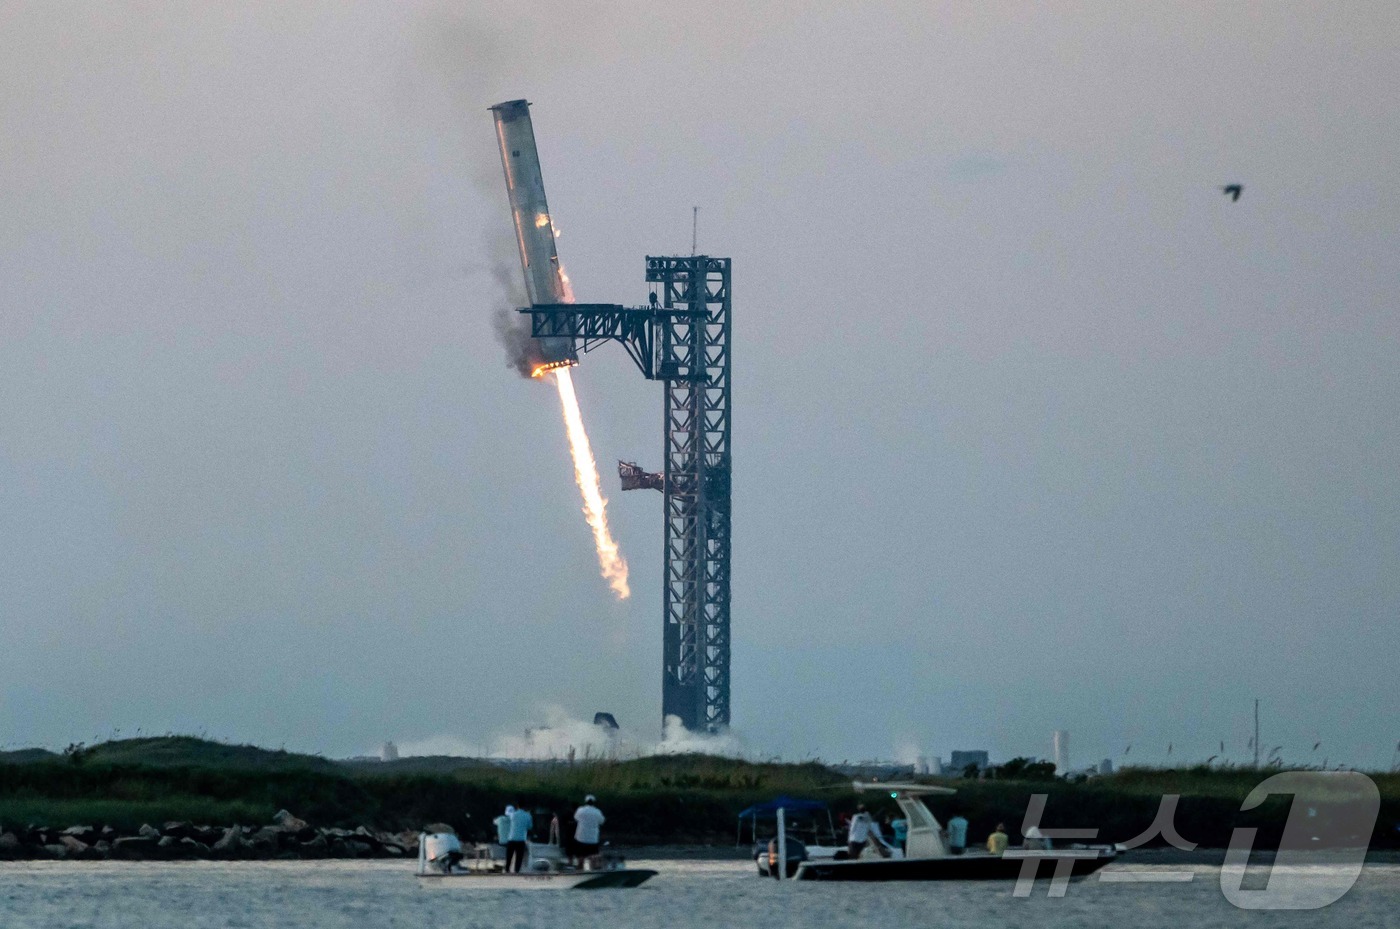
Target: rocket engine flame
pixel 610 560
pixel 544 367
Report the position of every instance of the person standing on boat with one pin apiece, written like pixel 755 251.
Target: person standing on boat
pixel 900 829
pixel 957 834
pixel 859 833
pixel 516 848
pixel 997 841
pixel 588 832
pixel 502 824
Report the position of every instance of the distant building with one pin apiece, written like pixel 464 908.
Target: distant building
pixel 960 761
pixel 1106 766
pixel 1060 740
pixel 390 752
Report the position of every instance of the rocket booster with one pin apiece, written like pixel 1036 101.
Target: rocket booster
pixel 534 232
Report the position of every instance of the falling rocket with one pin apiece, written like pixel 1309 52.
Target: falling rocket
pixel 545 281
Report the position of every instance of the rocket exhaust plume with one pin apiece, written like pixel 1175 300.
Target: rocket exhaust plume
pixel 610 560
pixel 546 282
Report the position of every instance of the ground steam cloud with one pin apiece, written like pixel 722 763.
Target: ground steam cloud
pixel 564 736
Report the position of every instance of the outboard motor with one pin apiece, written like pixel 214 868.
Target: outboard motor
pixel 442 850
pixel 766 854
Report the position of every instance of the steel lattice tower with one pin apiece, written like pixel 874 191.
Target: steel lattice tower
pixel 693 360
pixel 682 339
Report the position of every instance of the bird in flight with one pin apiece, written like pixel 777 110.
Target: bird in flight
pixel 1233 191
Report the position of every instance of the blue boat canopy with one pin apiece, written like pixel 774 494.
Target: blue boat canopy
pixel 791 804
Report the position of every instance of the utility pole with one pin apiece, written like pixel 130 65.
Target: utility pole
pixel 1256 733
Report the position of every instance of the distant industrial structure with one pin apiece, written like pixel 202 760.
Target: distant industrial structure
pixel 1060 751
pixel 960 761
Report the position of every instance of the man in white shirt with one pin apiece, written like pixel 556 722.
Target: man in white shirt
pixel 859 833
pixel 502 824
pixel 587 834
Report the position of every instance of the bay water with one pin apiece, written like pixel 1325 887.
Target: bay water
pixel 684 894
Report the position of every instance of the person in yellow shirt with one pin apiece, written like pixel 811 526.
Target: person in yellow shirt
pixel 997 841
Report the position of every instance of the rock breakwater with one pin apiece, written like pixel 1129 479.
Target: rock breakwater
pixel 287 837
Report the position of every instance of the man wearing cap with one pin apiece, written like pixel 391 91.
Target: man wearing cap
pixel 859 833
pixel 502 824
pixel 587 835
pixel 517 848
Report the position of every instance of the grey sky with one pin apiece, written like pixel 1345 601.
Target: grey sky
pixel 1033 428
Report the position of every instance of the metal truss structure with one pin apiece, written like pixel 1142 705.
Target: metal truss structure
pixel 635 477
pixel 682 339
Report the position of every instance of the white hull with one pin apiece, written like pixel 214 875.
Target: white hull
pixel 455 870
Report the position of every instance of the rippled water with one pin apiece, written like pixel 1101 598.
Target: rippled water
pixel 685 894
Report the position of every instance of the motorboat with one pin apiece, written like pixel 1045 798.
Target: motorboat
pixel 443 862
pixel 926 857
pixel 805 840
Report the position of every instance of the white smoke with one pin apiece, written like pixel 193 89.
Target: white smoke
pixel 678 740
pixel 907 751
pixel 563 734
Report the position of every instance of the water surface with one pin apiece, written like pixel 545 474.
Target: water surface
pixel 334 894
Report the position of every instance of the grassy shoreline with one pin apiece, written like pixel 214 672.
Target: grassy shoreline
pixel 668 800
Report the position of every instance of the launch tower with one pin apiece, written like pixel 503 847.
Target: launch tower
pixel 681 339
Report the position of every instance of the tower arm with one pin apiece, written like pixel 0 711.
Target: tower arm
pixel 591 324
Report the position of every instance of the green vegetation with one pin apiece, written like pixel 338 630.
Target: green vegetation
pixel 671 799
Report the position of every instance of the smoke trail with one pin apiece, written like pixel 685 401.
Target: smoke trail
pixel 513 332
pixel 610 560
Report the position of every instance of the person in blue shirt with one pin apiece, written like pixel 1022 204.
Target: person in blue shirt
pixel 900 828
pixel 957 834
pixel 521 822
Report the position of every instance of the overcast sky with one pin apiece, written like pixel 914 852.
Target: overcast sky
pixel 1033 427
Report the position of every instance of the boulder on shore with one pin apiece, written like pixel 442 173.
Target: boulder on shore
pixel 134 847
pixel 10 846
pixel 85 834
pixel 193 848
pixel 230 843
pixel 75 846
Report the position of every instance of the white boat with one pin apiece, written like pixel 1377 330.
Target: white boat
pixel 926 857
pixel 442 863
